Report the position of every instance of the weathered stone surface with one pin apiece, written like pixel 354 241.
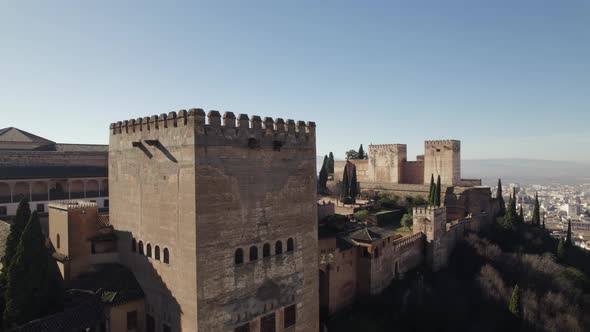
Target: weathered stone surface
pixel 202 192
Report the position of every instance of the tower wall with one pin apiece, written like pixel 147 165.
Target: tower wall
pixel 210 186
pixel 431 221
pixel 386 162
pixel 443 158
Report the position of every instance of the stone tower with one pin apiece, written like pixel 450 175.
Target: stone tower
pixel 218 220
pixel 443 158
pixel 431 221
pixel 385 162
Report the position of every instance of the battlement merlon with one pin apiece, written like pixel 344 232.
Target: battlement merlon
pixel 387 146
pixel 67 205
pixel 451 142
pixel 212 125
pixel 429 210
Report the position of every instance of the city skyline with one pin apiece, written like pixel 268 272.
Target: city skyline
pixel 509 80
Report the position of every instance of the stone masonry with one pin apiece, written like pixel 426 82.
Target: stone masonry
pixel 234 202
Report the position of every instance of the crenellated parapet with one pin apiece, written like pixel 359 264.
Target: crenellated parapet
pixel 442 142
pixel 387 146
pixel 428 209
pixel 253 130
pixel 72 204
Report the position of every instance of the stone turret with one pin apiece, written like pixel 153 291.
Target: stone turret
pixel 431 221
pixel 443 158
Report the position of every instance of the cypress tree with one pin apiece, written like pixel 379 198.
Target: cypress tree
pixel 561 251
pixel 514 306
pixel 500 198
pixel 537 211
pixel 345 182
pixel 432 190
pixel 323 178
pixel 354 190
pixel 437 201
pixel 361 154
pixel 28 292
pixel 568 238
pixel 23 214
pixel 330 163
pixel 521 215
pixel 511 218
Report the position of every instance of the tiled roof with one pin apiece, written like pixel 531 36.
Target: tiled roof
pixel 85 316
pixel 81 147
pixel 365 235
pixel 14 135
pixel 41 172
pixel 117 283
pixel 104 220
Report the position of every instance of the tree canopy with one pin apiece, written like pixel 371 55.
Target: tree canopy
pixel 28 292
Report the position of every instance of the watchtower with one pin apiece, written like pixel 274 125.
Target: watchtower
pixel 443 158
pixel 431 221
pixel 386 161
pixel 217 219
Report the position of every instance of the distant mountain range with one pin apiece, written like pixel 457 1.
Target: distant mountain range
pixel 526 171
pixel 523 171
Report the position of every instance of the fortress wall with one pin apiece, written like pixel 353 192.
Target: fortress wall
pixel 396 258
pixel 399 189
pixel 385 162
pixel 153 200
pixel 256 185
pixel 343 279
pixel 205 188
pixel 362 166
pixel 325 209
pixel 413 172
pixel 443 158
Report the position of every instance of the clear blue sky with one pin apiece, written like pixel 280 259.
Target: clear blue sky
pixel 508 78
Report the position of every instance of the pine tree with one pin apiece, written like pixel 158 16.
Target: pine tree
pixel 568 237
pixel 331 163
pixel 323 178
pixel 28 292
pixel 345 182
pixel 514 306
pixel 432 190
pixel 23 214
pixel 537 211
pixel 354 189
pixel 437 200
pixel 561 251
pixel 361 154
pixel 500 198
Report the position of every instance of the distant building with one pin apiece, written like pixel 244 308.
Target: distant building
pixel 42 170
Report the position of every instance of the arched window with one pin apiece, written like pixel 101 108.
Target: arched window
pixel 239 256
pixel 290 244
pixel 133 245
pixel 278 248
pixel 140 247
pixel 266 250
pixel 148 250
pixel 58 241
pixel 166 256
pixel 157 253
pixel 253 253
